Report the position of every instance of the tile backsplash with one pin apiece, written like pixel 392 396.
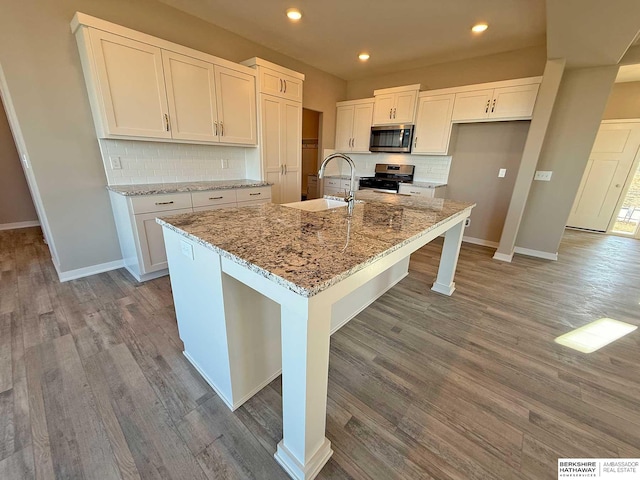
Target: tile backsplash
pixel 157 162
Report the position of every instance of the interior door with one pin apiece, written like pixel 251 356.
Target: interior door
pixel 236 100
pixel 609 165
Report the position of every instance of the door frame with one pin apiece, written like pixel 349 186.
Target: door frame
pixel 25 162
pixel 627 184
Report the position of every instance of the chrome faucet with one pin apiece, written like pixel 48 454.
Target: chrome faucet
pixel 351 197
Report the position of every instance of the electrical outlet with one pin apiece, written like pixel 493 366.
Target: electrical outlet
pixel 224 162
pixel 186 249
pixel 542 175
pixel 502 172
pixel 116 163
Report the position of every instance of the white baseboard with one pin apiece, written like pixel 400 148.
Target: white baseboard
pixel 503 257
pixel 536 253
pixel 16 225
pixel 480 241
pixel 87 271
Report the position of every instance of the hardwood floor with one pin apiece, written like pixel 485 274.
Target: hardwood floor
pixel 93 383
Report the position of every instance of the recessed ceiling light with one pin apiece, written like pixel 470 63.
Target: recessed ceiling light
pixel 479 28
pixel 364 57
pixel 294 14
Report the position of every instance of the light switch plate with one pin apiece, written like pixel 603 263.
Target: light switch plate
pixel 502 172
pixel 224 163
pixel 543 175
pixel 186 249
pixel 116 163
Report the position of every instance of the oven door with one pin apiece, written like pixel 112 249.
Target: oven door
pixel 391 138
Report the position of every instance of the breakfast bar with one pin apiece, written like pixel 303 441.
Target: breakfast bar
pixel 259 290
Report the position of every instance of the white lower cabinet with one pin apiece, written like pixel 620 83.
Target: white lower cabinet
pixel 141 239
pixel 428 192
pixel 336 187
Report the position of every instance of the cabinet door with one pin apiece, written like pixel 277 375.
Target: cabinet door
pixel 236 100
pixel 383 109
pixel 191 95
pixel 513 102
pixel 362 118
pixel 291 134
pixel 344 127
pixel 151 240
pixel 280 85
pixel 292 88
pixel 408 189
pixel 472 105
pixel 433 125
pixel 271 143
pixel 131 84
pixel 404 109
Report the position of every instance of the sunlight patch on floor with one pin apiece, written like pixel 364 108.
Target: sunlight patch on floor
pixel 595 335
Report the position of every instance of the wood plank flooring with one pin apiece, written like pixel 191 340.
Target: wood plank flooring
pixel 93 383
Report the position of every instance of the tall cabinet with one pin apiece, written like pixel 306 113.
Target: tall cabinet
pixel 280 128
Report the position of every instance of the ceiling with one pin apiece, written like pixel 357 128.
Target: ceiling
pixel 399 34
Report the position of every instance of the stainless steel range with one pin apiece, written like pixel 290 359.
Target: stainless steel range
pixel 388 177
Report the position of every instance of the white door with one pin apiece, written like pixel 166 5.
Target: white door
pixel 191 95
pixel 433 125
pixel 383 109
pixel 344 128
pixel 292 151
pixel 472 105
pixel 236 100
pixel 131 83
pixel 271 143
pixel 514 102
pixel 362 118
pixel 405 107
pixel 151 240
pixel 609 165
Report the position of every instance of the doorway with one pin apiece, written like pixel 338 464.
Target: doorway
pixel 627 220
pixel 310 152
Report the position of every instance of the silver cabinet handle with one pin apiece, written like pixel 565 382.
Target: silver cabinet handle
pixel 215 124
pixel 415 142
pixel 285 86
pixel 166 121
pixel 390 112
pixel 164 203
pixel 254 194
pixel 221 129
pixel 493 107
pixel 285 168
pixel 216 198
pixel 486 110
pixel 415 193
pixel 280 85
pixel 394 112
pixel 281 169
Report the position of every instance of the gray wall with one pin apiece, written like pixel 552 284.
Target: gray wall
pixel 527 62
pixel 40 60
pixel 15 200
pixel 480 150
pixel 572 130
pixel 624 101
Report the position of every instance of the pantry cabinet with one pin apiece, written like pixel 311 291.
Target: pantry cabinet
pixel 395 105
pixel 433 124
pixel 353 126
pixel 142 87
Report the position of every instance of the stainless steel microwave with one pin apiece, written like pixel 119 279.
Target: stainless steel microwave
pixel 391 138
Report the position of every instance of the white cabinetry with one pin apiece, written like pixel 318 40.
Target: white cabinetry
pixel 280 130
pixel 336 186
pixel 141 239
pixel 205 99
pixel 353 125
pixel 395 105
pixel 505 103
pixel 428 192
pixel 433 124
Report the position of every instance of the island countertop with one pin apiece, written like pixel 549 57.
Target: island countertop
pixel 307 252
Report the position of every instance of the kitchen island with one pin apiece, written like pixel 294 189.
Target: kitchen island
pixel 258 291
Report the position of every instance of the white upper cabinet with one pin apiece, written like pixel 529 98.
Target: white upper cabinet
pixel 191 94
pixel 280 84
pixel 353 126
pixel 236 99
pixel 130 83
pixel 395 105
pixel 205 99
pixel 505 103
pixel 433 125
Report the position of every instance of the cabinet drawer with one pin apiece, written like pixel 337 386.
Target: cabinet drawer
pixel 411 190
pixel 258 193
pixel 213 197
pixel 160 203
pixel 332 183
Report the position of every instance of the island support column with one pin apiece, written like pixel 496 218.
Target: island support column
pixel 305 326
pixel 449 259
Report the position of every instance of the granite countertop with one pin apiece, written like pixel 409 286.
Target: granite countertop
pixel 307 252
pixel 428 184
pixel 159 188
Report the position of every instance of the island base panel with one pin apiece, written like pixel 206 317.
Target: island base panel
pixel 444 283
pixel 302 472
